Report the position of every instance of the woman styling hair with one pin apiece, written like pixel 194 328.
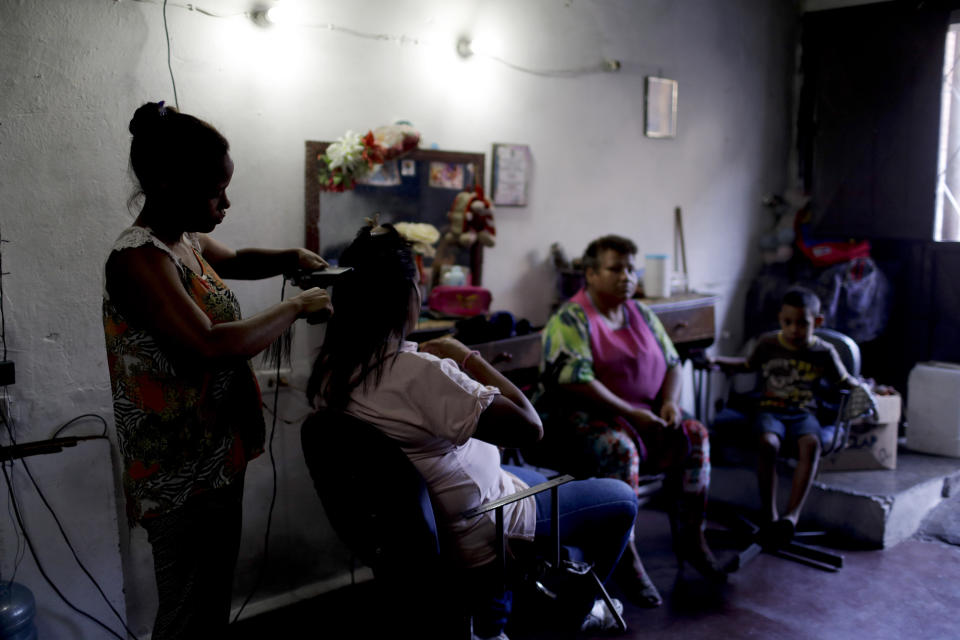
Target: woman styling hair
pixel 449 409
pixel 186 403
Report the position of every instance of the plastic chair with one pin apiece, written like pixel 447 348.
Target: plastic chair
pixel 734 419
pixel 379 506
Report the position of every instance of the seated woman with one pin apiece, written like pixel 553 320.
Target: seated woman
pixel 450 409
pixel 613 379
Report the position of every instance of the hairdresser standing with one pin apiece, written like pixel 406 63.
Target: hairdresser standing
pixel 186 402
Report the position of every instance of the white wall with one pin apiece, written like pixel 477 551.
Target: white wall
pixel 73 71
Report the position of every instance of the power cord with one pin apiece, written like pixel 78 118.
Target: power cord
pixel 166 32
pixel 33 551
pixel 299 420
pixel 21 548
pixel 601 66
pixel 273 467
pixel 77 419
pixel 3 322
pixel 14 505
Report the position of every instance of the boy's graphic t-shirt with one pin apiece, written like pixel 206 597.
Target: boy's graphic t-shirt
pixel 791 376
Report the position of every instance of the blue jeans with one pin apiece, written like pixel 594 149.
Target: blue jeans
pixel 596 516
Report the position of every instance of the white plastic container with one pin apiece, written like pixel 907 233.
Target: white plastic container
pixel 656 276
pixel 933 409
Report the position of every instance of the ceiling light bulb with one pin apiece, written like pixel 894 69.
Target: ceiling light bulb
pixel 278 14
pixel 485 45
pixel 464 50
pixel 269 16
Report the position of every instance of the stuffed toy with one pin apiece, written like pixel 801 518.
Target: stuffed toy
pixel 471 219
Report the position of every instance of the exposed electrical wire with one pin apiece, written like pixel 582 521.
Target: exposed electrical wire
pixel 77 419
pixel 166 32
pixel 299 420
pixel 192 7
pixel 602 66
pixel 73 551
pixel 3 322
pixel 273 468
pixel 40 568
pixel 364 35
pixel 20 549
pixel 36 558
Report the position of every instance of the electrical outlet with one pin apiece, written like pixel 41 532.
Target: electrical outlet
pixel 267 378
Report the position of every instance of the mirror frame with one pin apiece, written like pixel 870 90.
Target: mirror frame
pixel 314 148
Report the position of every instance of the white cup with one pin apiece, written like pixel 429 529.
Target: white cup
pixel 656 276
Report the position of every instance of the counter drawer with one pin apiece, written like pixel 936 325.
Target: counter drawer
pixel 687 325
pixel 519 352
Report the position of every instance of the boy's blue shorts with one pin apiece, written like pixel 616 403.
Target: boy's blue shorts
pixel 792 423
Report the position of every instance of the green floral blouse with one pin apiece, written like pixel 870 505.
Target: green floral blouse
pixel 567 358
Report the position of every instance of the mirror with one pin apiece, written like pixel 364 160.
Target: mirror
pixel 420 186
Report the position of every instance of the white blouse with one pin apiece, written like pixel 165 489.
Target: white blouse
pixel 432 407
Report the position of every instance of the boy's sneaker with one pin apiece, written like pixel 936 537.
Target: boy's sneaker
pixel 600 620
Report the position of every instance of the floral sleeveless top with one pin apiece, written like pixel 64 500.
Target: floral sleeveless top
pixel 183 426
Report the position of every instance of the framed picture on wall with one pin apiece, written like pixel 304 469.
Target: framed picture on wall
pixel 661 108
pixel 511 172
pixel 384 175
pixel 446 175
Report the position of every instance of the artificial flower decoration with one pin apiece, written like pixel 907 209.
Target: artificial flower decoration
pixel 423 235
pixel 346 152
pixel 353 156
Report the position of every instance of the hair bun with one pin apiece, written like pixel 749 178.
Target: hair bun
pixel 148 117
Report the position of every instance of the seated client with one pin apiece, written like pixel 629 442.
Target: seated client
pixel 612 381
pixel 449 409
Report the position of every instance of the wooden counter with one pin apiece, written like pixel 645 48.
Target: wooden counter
pixel 689 319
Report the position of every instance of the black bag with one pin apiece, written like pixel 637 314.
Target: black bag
pixel 555 597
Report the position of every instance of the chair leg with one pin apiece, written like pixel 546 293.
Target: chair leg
pixel 621 623
pixel 740 560
pixel 795 550
pixel 832 561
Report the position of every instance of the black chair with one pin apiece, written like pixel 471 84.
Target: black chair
pixel 727 430
pixel 380 507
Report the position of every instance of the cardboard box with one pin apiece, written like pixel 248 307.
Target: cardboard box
pixel 870 446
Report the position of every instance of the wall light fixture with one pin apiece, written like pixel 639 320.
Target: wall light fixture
pixel 264 16
pixel 464 47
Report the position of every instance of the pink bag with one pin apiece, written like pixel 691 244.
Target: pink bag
pixel 460 300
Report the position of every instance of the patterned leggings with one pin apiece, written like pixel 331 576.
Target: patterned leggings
pixel 195 549
pixel 615 449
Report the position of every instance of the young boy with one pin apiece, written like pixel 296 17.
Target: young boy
pixel 792 363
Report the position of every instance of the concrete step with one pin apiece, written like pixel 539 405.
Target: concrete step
pixel 874 508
